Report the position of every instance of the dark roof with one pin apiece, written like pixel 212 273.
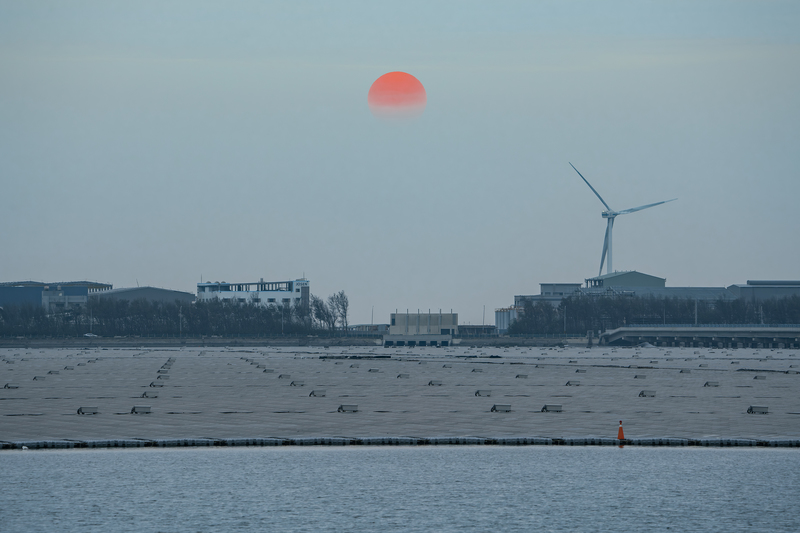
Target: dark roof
pixel 89 284
pixel 131 289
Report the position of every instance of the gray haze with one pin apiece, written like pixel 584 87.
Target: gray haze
pixel 160 142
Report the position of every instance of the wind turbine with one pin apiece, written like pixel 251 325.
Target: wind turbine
pixel 609 214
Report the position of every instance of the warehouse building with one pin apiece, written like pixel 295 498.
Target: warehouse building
pixel 764 290
pixel 151 294
pixel 632 283
pixel 54 297
pixel 629 283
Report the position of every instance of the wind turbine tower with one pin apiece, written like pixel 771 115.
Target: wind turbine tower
pixel 609 214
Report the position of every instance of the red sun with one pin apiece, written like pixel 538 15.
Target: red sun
pixel 397 95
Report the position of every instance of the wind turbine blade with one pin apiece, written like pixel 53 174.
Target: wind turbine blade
pixel 605 249
pixel 590 186
pixel 634 209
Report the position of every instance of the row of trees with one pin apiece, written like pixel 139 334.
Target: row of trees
pixel 109 317
pixel 574 315
pixel 579 314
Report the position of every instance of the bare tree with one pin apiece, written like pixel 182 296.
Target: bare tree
pixel 333 308
pixel 302 314
pixel 342 307
pixel 323 312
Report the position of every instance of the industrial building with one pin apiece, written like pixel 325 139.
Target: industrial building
pixel 765 290
pixel 151 294
pixel 421 329
pixel 54 297
pixel 626 279
pixel 731 336
pixel 504 317
pixel 633 283
pixel 627 283
pixel 297 292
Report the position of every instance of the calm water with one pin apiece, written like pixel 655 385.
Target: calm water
pixel 401 489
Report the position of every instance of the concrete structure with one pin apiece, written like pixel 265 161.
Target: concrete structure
pixel 551 293
pixel 558 289
pixel 297 292
pixel 746 336
pixel 421 329
pixel 151 294
pixel 764 290
pixel 54 297
pixel 423 324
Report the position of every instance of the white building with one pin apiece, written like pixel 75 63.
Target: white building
pixel 297 292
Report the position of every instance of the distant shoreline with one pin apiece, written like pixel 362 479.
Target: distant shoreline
pixel 194 342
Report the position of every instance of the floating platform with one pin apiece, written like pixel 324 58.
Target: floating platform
pixel 215 396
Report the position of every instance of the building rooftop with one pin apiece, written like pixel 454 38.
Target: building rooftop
pixel 629 278
pixel 770 283
pixel 123 290
pixel 90 284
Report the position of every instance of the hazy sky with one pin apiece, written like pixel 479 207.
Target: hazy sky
pixel 162 141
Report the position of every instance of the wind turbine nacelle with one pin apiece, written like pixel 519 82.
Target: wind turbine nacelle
pixel 608 214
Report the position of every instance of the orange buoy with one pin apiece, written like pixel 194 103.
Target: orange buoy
pixel 620 433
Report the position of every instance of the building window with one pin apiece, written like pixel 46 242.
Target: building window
pixel 297 290
pixel 393 321
pixel 286 300
pixel 271 300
